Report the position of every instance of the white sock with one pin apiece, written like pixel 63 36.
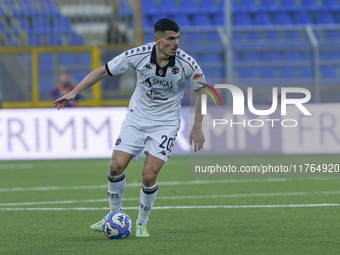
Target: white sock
pixel 147 198
pixel 116 187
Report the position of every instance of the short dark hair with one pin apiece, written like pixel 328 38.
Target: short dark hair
pixel 166 24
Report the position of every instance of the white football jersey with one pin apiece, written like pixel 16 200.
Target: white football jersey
pixel 159 91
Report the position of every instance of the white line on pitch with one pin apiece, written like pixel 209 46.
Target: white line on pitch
pixel 138 184
pixel 174 207
pixel 176 198
pixel 16 166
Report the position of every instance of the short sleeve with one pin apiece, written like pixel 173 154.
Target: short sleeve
pixel 196 77
pixel 118 65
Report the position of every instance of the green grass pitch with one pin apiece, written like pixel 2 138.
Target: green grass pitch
pixel 47 207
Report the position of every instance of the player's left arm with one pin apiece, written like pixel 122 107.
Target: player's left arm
pixel 196 78
pixel 196 136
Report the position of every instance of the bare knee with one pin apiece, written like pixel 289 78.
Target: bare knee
pixel 149 180
pixel 149 177
pixel 119 161
pixel 116 167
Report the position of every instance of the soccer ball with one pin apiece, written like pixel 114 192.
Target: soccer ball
pixel 117 225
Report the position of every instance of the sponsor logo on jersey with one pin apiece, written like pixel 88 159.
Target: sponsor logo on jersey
pixel 147 66
pixel 116 59
pixel 157 82
pixel 145 207
pixel 163 152
pixel 156 98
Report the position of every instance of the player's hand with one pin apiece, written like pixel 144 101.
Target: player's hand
pixel 59 103
pixel 196 136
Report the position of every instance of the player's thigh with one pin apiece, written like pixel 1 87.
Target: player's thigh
pixel 151 168
pixel 119 161
pixel 161 141
pixel 131 138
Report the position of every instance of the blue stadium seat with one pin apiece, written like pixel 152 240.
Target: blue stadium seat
pixel 188 6
pixel 272 35
pixel 245 72
pixel 292 35
pixel 75 40
pixel 291 55
pixel 45 61
pixel 147 21
pixel 262 19
pixel 2 28
pixel 306 55
pixel 305 72
pixel 267 72
pixel 168 7
pixel 202 20
pixel 34 40
pixel 289 5
pixel 84 58
pixel 46 81
pixel 310 4
pixel 196 56
pixel 212 57
pixel 330 54
pixel 242 19
pixel 62 25
pixel 149 7
pixel 251 56
pixel 125 8
pixel 67 59
pixel 332 5
pixel 244 5
pixel 194 38
pixel 41 25
pixel 54 40
pixel 158 16
pixel 282 18
pixel 214 72
pixel 328 72
pixel 237 56
pixel 324 18
pixel 303 18
pixel 332 34
pixel 269 5
pixel 149 37
pixel 271 56
pixel 253 35
pixel 218 19
pixel 236 37
pixel 287 72
pixel 212 6
pixel 182 20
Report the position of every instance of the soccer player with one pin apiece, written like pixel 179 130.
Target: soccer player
pixel 153 117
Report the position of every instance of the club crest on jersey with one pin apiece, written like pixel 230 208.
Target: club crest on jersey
pixel 160 71
pixel 175 70
pixel 119 140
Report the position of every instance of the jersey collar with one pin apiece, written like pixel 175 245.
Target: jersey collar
pixel 153 58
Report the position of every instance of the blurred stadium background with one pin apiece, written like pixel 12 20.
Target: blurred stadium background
pixel 269 39
pixel 250 43
pixel 256 43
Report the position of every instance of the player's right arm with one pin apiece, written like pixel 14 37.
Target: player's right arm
pixel 91 79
